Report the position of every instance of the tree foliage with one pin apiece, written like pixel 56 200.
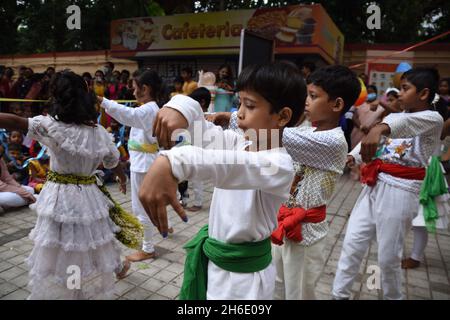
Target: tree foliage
pixel 34 26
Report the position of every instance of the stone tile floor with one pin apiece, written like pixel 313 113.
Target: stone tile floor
pixel 161 278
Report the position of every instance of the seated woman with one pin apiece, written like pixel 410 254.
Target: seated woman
pixel 12 194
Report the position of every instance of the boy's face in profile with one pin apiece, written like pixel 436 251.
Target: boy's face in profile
pixel 318 106
pixel 255 113
pixel 408 97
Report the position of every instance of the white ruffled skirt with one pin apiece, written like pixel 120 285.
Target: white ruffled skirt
pixel 75 254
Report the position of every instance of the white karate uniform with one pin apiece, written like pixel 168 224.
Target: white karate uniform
pixel 140 119
pixel 321 157
pixel 386 210
pixel 248 193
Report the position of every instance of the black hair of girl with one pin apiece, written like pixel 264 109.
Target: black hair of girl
pixel 70 99
pixel 152 79
pixel 280 83
pixel 423 77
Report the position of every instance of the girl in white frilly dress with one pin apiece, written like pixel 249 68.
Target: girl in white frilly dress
pixel 76 253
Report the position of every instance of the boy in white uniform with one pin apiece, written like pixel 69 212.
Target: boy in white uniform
pixel 385 208
pixel 250 186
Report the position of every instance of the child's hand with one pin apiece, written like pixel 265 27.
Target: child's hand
pixel 350 161
pixel 159 189
pixel 28 197
pixel 166 122
pixel 370 142
pixel 219 118
pixel 99 100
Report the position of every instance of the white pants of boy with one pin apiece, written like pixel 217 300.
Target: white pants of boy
pixel 420 242
pixel 298 269
pixel 13 200
pixel 197 187
pixel 384 212
pixel 139 211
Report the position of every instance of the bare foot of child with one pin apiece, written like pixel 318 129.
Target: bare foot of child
pixel 410 263
pixel 123 273
pixel 140 256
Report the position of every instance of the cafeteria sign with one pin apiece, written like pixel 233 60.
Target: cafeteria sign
pixel 296 29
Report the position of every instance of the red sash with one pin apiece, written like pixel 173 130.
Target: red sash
pixel 369 172
pixel 290 222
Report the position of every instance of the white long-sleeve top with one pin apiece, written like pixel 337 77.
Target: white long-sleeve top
pixel 414 138
pixel 249 189
pixel 140 119
pixel 319 158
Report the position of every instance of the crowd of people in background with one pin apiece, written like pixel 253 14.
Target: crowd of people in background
pixel 26 165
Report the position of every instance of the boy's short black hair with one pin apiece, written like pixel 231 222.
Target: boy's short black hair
pixel 338 82
pixel 280 83
pixel 201 94
pixel 423 77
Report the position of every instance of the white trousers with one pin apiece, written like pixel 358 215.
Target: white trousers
pixel 298 269
pixel 13 200
pixel 420 242
pixel 383 212
pixel 136 179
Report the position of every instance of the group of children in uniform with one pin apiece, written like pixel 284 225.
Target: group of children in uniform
pixel 273 179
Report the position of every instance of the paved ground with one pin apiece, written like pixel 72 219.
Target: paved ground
pixel 161 278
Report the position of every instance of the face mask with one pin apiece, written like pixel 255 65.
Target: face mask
pixel 106 70
pixel 371 97
pixel 99 79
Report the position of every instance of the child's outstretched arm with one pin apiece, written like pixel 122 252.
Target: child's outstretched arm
pixel 140 117
pixel 13 122
pixel 410 125
pixel 183 112
pixel 268 171
pixel 321 150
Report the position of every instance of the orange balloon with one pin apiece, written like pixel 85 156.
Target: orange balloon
pixel 362 95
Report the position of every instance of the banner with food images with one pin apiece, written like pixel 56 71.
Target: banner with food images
pixel 296 29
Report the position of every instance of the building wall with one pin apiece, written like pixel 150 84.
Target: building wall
pixel 79 62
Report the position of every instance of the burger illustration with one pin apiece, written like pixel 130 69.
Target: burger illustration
pixel 299 27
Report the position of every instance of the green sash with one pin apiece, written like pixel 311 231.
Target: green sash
pixel 245 257
pixel 433 185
